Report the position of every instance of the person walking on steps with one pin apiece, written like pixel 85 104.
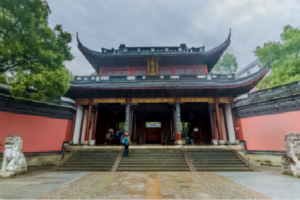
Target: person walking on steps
pixel 126 142
pixel 192 137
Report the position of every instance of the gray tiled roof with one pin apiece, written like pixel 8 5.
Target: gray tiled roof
pixel 149 51
pixel 169 83
pixel 249 66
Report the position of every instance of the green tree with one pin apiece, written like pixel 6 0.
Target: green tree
pixel 284 58
pixel 227 64
pixel 32 55
pixel 94 74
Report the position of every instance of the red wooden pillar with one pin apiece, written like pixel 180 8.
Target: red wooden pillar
pixel 95 123
pixel 80 133
pixel 234 123
pixel 73 123
pixel 225 121
pixel 88 124
pixel 178 124
pixel 221 141
pixel 212 124
pixel 235 128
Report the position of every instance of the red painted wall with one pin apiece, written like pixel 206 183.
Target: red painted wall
pixel 266 133
pixel 39 134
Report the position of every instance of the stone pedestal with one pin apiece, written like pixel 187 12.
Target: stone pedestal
pixel 71 142
pixel 8 174
pixel 85 143
pixel 228 143
pixel 221 142
pixel 237 142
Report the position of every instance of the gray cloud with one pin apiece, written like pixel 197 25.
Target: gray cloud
pixel 109 23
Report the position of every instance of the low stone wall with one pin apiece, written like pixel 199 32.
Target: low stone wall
pixel 263 158
pixel 43 159
pixel 39 159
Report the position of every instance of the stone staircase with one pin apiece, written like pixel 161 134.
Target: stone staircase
pixel 154 160
pixel 216 160
pixel 91 160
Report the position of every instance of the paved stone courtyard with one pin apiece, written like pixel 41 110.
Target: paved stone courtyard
pixel 42 184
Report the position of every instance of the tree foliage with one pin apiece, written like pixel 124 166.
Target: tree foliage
pixel 32 55
pixel 227 64
pixel 284 58
pixel 94 74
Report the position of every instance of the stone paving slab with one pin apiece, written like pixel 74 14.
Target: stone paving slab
pixel 270 182
pixel 40 183
pixel 153 185
pixel 36 183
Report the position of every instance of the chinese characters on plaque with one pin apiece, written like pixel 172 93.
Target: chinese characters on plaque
pixel 178 118
pixel 127 118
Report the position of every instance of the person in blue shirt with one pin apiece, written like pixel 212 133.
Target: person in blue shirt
pixel 125 142
pixel 118 137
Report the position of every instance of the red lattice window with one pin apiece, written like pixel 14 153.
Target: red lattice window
pixel 199 71
pixel 189 71
pixel 179 71
pixel 140 72
pixel 116 73
pixel 126 73
pixel 165 72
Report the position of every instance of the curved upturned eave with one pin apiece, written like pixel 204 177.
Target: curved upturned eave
pixel 86 50
pixel 216 53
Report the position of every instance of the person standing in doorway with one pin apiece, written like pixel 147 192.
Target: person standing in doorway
pixel 192 137
pixel 118 137
pixel 126 142
pixel 107 138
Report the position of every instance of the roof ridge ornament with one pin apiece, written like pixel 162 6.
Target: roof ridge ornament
pixel 79 43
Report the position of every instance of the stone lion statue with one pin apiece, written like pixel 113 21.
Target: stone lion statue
pixel 13 158
pixel 290 163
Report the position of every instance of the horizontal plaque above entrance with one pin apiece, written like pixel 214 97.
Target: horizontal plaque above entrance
pixel 152 100
pixel 135 101
pixel 197 99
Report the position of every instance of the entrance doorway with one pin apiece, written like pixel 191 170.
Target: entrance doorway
pixel 153 127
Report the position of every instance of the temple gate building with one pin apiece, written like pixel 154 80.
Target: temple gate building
pixel 157 94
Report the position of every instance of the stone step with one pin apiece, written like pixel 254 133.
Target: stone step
pixel 211 155
pixel 91 159
pixel 217 163
pixel 85 168
pixel 96 154
pixel 214 159
pixel 153 165
pixel 88 164
pixel 155 162
pixel 223 169
pixel 218 156
pixel 150 160
pixel 220 165
pixel 153 169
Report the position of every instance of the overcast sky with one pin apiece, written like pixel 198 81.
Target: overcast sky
pixel 109 23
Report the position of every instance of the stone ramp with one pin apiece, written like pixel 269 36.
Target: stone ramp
pixel 91 160
pixel 160 159
pixel 217 160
